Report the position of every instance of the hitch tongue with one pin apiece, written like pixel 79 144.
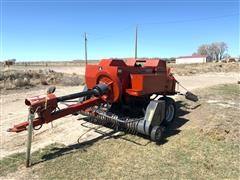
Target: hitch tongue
pixel 190 96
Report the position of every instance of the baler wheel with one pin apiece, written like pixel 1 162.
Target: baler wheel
pixel 156 134
pixel 170 110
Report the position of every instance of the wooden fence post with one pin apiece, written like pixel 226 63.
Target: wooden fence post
pixel 29 138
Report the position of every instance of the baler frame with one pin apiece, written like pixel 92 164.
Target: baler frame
pixel 117 92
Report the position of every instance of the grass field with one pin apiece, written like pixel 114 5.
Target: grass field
pixel 192 148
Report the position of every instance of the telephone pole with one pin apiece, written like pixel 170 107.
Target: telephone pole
pixel 85 41
pixel 136 41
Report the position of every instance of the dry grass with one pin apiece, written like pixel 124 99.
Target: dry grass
pixel 13 79
pixel 218 115
pixel 188 152
pixel 190 69
pixel 188 155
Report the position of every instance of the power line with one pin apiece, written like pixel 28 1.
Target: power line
pixel 116 32
pixel 119 1
pixel 192 20
pixel 136 42
pixel 166 22
pixel 85 45
pixel 67 4
pixel 145 3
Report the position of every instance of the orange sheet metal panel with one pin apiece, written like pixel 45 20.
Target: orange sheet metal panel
pixel 96 74
pixel 143 84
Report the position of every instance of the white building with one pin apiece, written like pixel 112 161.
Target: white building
pixel 191 59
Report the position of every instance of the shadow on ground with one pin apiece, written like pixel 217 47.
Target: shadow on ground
pixel 180 120
pixel 171 130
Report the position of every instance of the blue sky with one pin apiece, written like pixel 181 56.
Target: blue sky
pixel 53 30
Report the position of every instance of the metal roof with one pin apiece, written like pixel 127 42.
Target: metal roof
pixel 194 56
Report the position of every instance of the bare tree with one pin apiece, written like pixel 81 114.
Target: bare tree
pixel 203 50
pixel 222 49
pixel 211 52
pixel 206 50
pixel 219 49
pixel 215 51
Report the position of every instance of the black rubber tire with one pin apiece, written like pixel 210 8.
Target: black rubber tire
pixel 170 110
pixel 156 134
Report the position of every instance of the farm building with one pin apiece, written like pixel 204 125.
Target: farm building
pixel 191 59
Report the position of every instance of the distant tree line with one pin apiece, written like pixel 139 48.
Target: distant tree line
pixel 214 51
